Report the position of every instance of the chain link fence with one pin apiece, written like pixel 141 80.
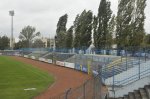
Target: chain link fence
pixel 91 89
pixel 101 64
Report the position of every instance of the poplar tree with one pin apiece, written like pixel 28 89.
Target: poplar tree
pixel 60 37
pixel 103 18
pixel 69 38
pixel 83 29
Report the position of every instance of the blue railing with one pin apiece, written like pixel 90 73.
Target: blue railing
pixel 133 78
pixel 116 69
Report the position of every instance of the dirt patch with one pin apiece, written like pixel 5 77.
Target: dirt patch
pixel 65 78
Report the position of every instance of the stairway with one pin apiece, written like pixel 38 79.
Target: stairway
pixel 109 71
pixel 142 93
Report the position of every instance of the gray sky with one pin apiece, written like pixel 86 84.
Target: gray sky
pixel 44 14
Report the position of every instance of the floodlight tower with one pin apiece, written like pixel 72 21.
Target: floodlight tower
pixel 11 13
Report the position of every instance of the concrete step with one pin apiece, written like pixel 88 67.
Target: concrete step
pixel 111 98
pixel 131 95
pixel 126 97
pixel 137 94
pixel 147 89
pixel 143 93
pixel 120 98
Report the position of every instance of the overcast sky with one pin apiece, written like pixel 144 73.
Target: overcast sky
pixel 44 14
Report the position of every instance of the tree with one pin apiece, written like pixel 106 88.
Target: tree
pixel 4 42
pixel 95 34
pixel 61 32
pixel 69 38
pixel 83 29
pixel 124 17
pixel 77 27
pixel 101 31
pixel 111 31
pixel 147 39
pixel 38 43
pixel 130 23
pixel 21 44
pixel 28 34
pixel 137 24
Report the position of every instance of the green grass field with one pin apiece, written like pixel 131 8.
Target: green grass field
pixel 16 76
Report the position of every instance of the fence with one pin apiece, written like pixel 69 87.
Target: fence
pixel 109 69
pixel 132 67
pixel 91 89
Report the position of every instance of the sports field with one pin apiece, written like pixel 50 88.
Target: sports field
pixel 21 81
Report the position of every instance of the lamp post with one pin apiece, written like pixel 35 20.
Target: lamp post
pixel 11 13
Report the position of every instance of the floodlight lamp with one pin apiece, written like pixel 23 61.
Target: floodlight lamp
pixel 11 13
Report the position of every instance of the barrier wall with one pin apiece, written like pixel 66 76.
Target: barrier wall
pixel 42 59
pixel 69 65
pixel 26 56
pixel 32 57
pixel 48 61
pixel 60 63
pixel 84 68
pixel 80 67
pixel 77 66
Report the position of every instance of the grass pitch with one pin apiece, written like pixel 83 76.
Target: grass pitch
pixel 16 76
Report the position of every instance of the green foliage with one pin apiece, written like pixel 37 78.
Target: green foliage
pixel 130 23
pixel 124 17
pixel 128 26
pixel 95 23
pixel 38 43
pixel 111 32
pixel 16 76
pixel 28 34
pixel 83 29
pixel 69 38
pixel 137 24
pixel 101 31
pixel 21 44
pixel 77 31
pixel 4 42
pixel 147 39
pixel 61 32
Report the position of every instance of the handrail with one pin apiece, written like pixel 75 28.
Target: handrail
pixel 115 63
pixel 133 77
pixel 116 67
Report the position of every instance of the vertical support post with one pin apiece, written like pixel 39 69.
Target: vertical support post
pixel 139 64
pixel 75 60
pixel 11 13
pixel 121 55
pixel 81 67
pixel 145 53
pixel 12 33
pixel 126 58
pixel 84 94
pixel 94 91
pixel 104 60
pixel 89 67
pixel 67 92
pixel 113 87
